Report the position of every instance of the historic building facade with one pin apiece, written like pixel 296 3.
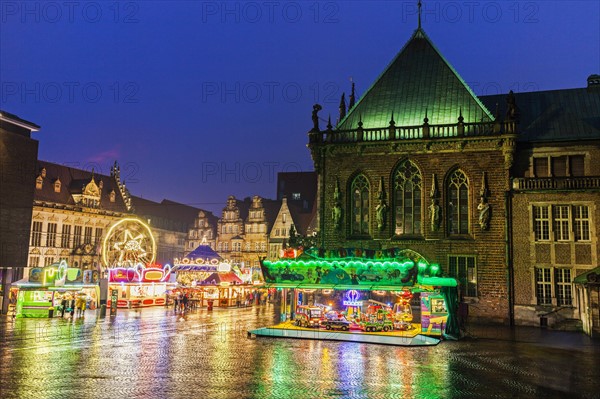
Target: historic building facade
pixel 203 231
pixel 420 163
pixel 501 191
pixel 73 209
pixel 243 230
pixel 555 203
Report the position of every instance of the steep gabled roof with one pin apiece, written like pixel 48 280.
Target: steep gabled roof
pixel 72 181
pixel 418 78
pixel 554 115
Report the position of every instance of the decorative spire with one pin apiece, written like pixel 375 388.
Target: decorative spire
pixel 329 127
pixel 426 119
pixel 360 122
pixel 392 121
pixel 485 191
pixel 460 116
pixel 435 192
pixel 419 6
pixel 352 98
pixel 381 191
pixel 343 106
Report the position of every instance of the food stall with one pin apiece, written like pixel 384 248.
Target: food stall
pixel 46 289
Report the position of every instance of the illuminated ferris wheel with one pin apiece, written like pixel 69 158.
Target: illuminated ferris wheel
pixel 128 243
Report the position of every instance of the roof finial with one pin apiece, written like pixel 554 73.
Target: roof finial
pixel 352 98
pixel 419 5
pixel 343 106
pixel 329 127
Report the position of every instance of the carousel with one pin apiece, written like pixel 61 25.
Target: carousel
pixel 366 290
pixel 211 281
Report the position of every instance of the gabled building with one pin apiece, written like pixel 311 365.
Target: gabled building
pixel 420 163
pixel 243 230
pixel 290 214
pixel 501 191
pixel 72 209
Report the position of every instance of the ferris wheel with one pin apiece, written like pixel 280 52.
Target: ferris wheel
pixel 128 243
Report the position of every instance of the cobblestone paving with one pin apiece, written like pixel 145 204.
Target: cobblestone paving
pixel 154 353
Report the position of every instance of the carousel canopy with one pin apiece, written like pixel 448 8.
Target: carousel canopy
pixel 204 252
pixel 218 278
pixel 201 259
pixel 389 269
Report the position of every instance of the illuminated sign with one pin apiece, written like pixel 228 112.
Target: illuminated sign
pixel 352 299
pixel 224 267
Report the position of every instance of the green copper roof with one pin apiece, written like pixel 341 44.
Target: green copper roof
pixel 554 115
pixel 418 78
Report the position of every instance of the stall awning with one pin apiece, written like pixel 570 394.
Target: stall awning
pixel 589 277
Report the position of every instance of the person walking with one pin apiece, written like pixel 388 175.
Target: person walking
pixel 185 303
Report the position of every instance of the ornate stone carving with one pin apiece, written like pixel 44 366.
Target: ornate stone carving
pixel 435 210
pixel 484 207
pixel 336 211
pixel 382 208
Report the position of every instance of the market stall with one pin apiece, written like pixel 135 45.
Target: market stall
pixel 53 290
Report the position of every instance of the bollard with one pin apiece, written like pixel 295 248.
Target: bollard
pixel 102 311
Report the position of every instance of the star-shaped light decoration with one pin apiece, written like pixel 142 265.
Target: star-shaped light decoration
pixel 130 249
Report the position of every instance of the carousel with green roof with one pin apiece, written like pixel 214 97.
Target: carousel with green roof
pixel 371 290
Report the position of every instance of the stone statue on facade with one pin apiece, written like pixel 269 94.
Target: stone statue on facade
pixel 381 215
pixel 315 116
pixel 435 214
pixel 512 111
pixel 484 214
pixel 484 207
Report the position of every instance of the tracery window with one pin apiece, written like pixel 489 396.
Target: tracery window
pixel 407 198
pixel 458 203
pixel 360 205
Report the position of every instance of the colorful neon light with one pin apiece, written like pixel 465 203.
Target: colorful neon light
pixel 352 297
pixel 129 248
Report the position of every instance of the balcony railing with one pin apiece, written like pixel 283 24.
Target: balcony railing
pixel 556 183
pixel 424 131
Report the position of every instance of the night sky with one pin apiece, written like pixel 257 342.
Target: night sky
pixel 199 100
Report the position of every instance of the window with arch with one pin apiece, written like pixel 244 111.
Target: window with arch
pixel 458 203
pixel 407 198
pixel 360 205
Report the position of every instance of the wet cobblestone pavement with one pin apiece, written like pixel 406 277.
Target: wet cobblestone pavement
pixel 155 354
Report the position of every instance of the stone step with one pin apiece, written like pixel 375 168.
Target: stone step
pixel 568 325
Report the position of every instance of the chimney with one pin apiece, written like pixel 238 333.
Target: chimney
pixel 593 83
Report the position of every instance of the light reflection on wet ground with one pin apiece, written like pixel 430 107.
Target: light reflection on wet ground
pixel 154 353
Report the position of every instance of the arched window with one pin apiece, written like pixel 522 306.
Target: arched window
pixel 360 205
pixel 407 198
pixel 458 203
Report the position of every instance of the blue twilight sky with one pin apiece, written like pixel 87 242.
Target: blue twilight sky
pixel 201 99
